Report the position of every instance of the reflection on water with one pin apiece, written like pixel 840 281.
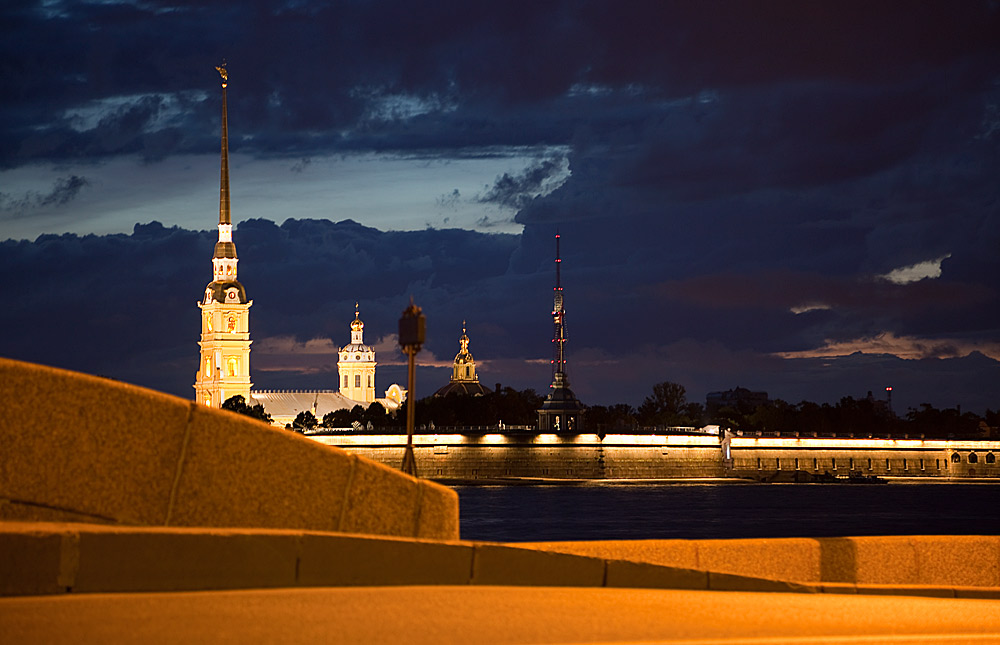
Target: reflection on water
pixel 646 511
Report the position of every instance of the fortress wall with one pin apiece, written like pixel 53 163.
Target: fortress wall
pixel 544 456
pixel 663 462
pixel 910 463
pixel 881 457
pixel 455 456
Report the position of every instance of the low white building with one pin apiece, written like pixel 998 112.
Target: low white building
pixel 356 378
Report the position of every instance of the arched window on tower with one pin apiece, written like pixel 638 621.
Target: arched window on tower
pixel 973 458
pixel 370 384
pixel 466 371
pixel 955 458
pixel 208 367
pixel 345 380
pixel 357 380
pixel 233 366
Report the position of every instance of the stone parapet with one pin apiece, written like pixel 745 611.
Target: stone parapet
pixel 929 560
pixel 56 558
pixel 81 448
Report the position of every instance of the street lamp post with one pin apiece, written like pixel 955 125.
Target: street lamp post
pixel 412 332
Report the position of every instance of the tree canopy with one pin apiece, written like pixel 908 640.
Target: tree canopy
pixel 305 420
pixel 668 406
pixel 238 404
pixel 508 406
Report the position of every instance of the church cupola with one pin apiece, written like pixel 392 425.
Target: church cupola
pixel 357 327
pixel 464 379
pixel 224 367
pixel 356 364
pixel 464 368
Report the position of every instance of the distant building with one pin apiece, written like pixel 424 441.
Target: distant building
pixel 739 398
pixel 561 411
pixel 224 366
pixel 356 366
pixel 464 379
pixel 356 376
pixel 882 408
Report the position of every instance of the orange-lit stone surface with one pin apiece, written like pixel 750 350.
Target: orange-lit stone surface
pixel 239 472
pixel 889 560
pixel 30 562
pixel 670 553
pixel 439 513
pixel 114 453
pixel 958 560
pixel 622 573
pixel 88 445
pixel 39 558
pixel 344 560
pixel 167 560
pixel 396 497
pixel 279 547
pixel 497 564
pixel 487 615
pixel 785 559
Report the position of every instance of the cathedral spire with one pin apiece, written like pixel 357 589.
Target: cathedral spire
pixel 224 215
pixel 224 258
pixel 224 364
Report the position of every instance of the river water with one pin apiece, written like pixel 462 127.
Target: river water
pixel 603 511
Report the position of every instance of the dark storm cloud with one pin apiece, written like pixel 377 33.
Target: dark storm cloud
pixel 130 300
pixel 63 191
pixel 729 162
pixel 516 191
pixel 487 74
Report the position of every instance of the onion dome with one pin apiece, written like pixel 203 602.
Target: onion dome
pixel 229 292
pixel 356 324
pixel 464 380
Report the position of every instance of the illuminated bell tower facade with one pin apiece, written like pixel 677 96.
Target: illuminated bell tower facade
pixel 356 364
pixel 464 368
pixel 224 369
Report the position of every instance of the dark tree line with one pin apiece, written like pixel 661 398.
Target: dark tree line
pixel 507 406
pixel 666 406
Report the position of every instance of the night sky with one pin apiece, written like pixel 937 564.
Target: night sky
pixel 797 197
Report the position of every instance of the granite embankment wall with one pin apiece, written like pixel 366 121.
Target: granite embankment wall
pixel 591 456
pixel 954 459
pixel 78 448
pixel 496 456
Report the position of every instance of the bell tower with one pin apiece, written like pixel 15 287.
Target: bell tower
pixel 464 368
pixel 224 368
pixel 356 365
